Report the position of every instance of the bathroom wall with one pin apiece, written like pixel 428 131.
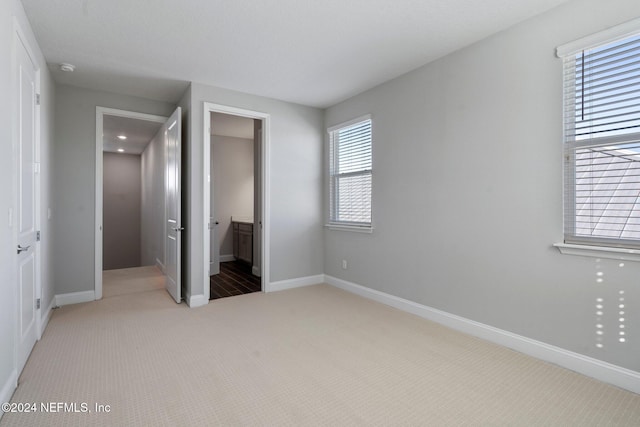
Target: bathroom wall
pixel 233 186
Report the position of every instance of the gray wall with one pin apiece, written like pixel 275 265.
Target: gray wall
pixel 296 185
pixel 467 197
pixel 122 231
pixel 232 170
pixel 8 280
pixel 74 179
pixel 153 209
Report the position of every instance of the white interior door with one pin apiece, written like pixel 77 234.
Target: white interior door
pixel 214 243
pixel 26 206
pixel 172 129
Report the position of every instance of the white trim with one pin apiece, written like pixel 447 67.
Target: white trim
pixel 349 123
pixel 44 321
pixel 194 301
pixel 265 159
pixel 100 113
pixel 603 371
pixel 626 29
pixel 599 251
pixel 8 388
pixel 75 298
pixel 354 228
pixel 160 265
pixel 255 271
pixel 25 41
pixel 227 258
pixel 12 381
pixel 299 282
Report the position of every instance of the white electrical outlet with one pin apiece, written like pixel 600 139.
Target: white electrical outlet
pixel 344 264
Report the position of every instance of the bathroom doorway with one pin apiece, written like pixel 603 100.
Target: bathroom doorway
pixel 235 223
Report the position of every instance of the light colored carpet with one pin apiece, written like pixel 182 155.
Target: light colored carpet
pixel 131 280
pixel 308 356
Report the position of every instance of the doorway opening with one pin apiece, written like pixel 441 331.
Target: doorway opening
pixel 130 250
pixel 235 202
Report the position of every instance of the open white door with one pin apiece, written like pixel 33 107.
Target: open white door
pixel 214 243
pixel 174 227
pixel 26 206
pixel 214 262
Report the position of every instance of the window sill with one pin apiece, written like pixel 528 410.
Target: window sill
pixel 353 228
pixel 599 251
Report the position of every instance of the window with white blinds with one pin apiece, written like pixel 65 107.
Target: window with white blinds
pixel 350 170
pixel 602 144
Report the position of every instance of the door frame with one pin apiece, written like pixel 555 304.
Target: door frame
pixel 265 187
pixel 100 113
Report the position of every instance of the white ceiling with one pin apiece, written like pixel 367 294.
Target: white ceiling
pixel 138 132
pixel 310 52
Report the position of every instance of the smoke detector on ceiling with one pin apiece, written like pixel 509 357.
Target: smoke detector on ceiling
pixel 67 67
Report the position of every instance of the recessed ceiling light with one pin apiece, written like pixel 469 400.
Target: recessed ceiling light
pixel 123 137
pixel 67 67
pixel 120 150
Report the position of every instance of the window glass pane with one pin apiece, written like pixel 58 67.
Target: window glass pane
pixel 354 198
pixel 607 192
pixel 354 148
pixel 607 91
pixel 350 174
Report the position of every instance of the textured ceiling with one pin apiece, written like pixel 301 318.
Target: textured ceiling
pixel 310 52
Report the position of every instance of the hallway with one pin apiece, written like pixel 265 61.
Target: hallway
pixel 235 278
pixel 131 280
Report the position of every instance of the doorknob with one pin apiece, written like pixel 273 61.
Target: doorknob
pixel 21 249
pixel 177 228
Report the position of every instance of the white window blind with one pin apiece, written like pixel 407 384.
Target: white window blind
pixel 350 169
pixel 602 144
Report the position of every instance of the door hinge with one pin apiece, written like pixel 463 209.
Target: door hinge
pixel 37 99
pixel 38 304
pixel 37 236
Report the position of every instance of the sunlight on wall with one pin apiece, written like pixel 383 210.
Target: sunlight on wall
pixel 620 306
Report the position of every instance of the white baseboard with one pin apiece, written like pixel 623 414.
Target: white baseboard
pixel 227 258
pixel 294 283
pixel 256 271
pixel 603 371
pixel 75 298
pixel 160 265
pixel 194 301
pixel 8 388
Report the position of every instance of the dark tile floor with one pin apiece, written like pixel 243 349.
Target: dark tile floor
pixel 235 278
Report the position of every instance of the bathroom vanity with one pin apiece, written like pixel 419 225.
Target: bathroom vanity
pixel 242 240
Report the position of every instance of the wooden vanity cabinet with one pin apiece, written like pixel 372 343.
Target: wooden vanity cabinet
pixel 243 241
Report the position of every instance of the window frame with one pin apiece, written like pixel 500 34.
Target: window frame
pixel 574 244
pixel 332 194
